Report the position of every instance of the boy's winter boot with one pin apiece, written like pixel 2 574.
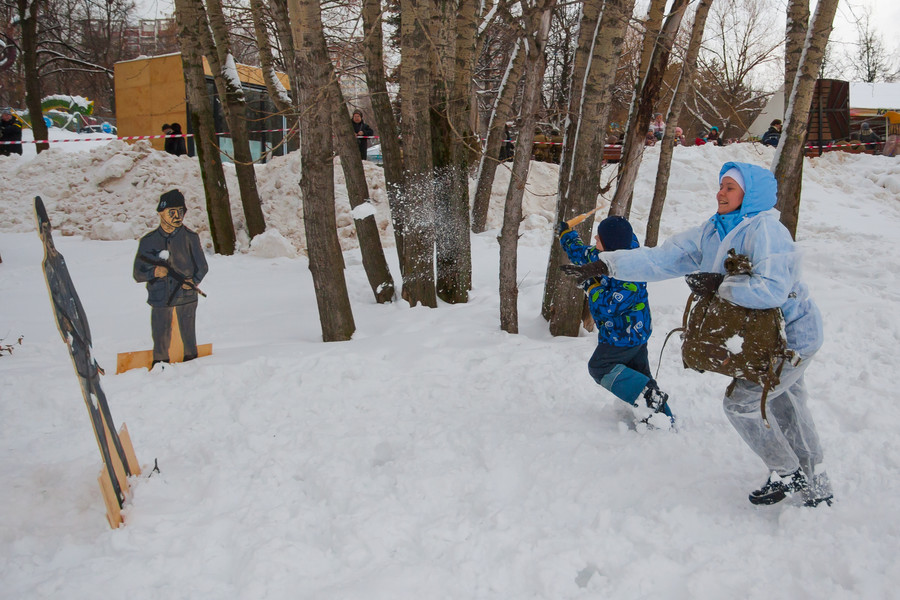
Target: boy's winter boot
pixel 656 401
pixel 777 488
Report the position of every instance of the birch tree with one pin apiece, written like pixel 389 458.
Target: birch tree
pixel 317 178
pixel 537 18
pixel 795 36
pixel 579 177
pixel 788 160
pixel 489 160
pixel 221 62
pixel 688 67
pixel 218 208
pixel 640 117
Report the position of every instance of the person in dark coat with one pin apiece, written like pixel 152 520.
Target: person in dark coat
pixel 174 145
pixel 10 131
pixel 868 137
pixel 170 260
pixel 363 133
pixel 772 134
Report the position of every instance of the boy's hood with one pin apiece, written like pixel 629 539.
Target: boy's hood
pixel 760 187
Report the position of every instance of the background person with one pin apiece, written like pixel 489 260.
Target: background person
pixel 10 131
pixel 363 133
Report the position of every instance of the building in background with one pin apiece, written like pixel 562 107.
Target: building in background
pixel 150 91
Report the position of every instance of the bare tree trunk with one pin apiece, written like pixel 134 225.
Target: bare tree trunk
pixel 218 208
pixel 28 18
pixel 317 177
pixel 535 64
pixel 453 251
pixel 583 169
pixel 795 36
pixel 417 202
pixel 557 291
pixel 221 62
pixel 490 158
pixel 639 119
pixel 668 143
pixel 788 160
pixel 373 44
pixel 345 141
pixel 277 93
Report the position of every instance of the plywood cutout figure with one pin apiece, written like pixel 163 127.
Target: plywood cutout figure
pixel 170 260
pixel 115 449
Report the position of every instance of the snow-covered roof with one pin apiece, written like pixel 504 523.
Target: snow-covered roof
pixel 875 95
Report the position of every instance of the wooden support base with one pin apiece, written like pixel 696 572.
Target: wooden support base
pixel 113 510
pixel 125 361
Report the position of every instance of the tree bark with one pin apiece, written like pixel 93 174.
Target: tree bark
pixel 788 161
pixel 218 207
pixel 373 53
pixel 417 202
pixel 557 291
pixel 795 36
pixel 28 18
pixel 453 251
pixel 347 146
pixel 317 176
pixel 221 62
pixel 535 64
pixel 639 119
pixel 688 68
pixel 582 171
pixel 275 89
pixel 490 158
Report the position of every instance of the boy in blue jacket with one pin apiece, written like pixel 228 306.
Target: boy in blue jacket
pixel 622 314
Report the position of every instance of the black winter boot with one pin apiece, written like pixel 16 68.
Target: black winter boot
pixel 777 488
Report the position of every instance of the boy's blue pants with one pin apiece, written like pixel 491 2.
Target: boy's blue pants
pixel 623 371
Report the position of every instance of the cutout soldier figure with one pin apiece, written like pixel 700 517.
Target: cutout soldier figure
pixel 170 260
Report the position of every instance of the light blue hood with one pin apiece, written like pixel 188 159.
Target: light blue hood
pixel 760 194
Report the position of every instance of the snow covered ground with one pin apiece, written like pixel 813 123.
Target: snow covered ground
pixel 433 456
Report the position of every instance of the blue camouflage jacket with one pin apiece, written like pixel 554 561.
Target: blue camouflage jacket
pixel 620 308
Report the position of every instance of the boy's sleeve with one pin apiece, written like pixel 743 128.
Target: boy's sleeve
pixel 578 253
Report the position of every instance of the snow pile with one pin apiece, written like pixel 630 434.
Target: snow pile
pixel 118 182
pixel 432 456
pixel 272 244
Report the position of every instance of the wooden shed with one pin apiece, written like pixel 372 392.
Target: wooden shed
pixel 150 91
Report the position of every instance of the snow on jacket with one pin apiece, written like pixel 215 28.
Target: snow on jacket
pixel 620 309
pixel 775 278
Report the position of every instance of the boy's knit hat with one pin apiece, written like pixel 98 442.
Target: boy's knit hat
pixel 615 233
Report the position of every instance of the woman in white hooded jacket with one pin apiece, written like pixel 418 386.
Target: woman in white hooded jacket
pixel 746 221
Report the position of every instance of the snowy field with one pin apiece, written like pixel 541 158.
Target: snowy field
pixel 432 456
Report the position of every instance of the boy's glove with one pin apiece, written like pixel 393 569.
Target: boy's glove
pixel 561 228
pixel 738 264
pixel 704 284
pixel 582 273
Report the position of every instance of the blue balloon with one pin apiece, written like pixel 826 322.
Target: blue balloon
pixel 106 127
pixel 47 121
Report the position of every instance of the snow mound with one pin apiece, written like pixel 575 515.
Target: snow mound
pixel 272 244
pixel 112 230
